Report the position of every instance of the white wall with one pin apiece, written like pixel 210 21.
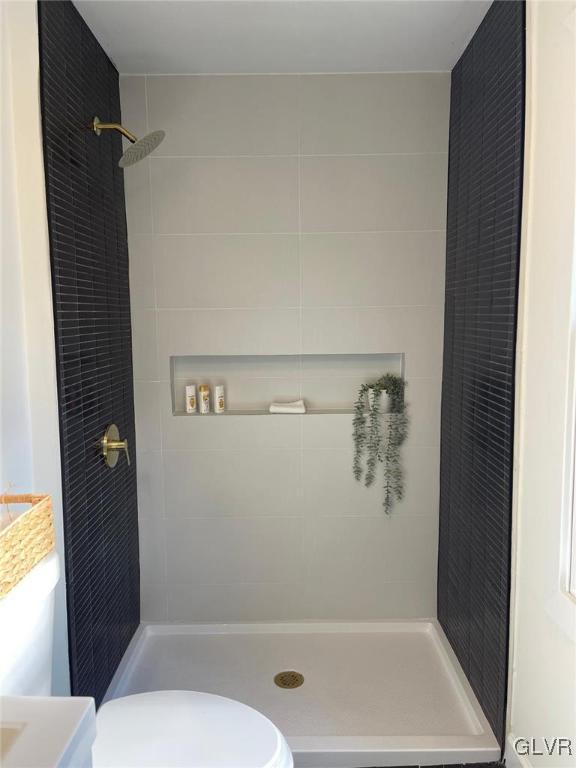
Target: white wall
pixel 15 449
pixel 29 447
pixel 543 652
pixel 285 215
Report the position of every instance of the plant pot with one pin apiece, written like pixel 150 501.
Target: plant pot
pixel 384 401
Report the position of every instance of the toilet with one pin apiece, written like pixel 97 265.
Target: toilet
pixel 160 729
pixel 186 729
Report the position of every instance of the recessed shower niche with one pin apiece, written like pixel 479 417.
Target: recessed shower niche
pixel 327 383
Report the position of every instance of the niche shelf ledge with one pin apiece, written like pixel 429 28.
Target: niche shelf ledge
pixel 328 383
pixel 248 412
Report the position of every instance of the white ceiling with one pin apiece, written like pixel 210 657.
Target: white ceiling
pixel 266 36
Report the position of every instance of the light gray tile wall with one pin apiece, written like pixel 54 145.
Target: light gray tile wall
pixel 285 215
pixel 219 195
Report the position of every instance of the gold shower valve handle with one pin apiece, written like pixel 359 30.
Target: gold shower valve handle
pixel 119 445
pixel 112 445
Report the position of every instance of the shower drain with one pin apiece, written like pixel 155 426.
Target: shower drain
pixel 289 679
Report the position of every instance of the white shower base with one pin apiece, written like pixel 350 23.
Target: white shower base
pixel 375 694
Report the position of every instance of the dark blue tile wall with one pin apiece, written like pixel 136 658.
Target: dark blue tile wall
pixel 482 257
pixel 89 256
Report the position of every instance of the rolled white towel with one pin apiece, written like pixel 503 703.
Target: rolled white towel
pixel 297 406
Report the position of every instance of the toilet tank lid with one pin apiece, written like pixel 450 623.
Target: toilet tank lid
pixel 186 729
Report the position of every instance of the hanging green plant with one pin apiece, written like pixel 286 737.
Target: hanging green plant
pixel 371 446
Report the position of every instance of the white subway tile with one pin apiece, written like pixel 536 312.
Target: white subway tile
pixel 233 483
pixel 331 431
pixel 423 398
pixel 144 357
pixel 137 191
pixel 373 269
pixel 152 539
pixel 359 600
pixel 133 100
pixel 358 194
pixel 389 548
pixel 153 602
pixel 228 271
pixel 232 550
pixel 264 432
pixel 147 414
pixel 415 331
pixel 237 602
pixel 227 332
pixel 245 367
pixel 421 480
pixel 371 114
pixel 150 471
pixel 353 365
pixel 142 249
pixel 248 115
pixel 228 195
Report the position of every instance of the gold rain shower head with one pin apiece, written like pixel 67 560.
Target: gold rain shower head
pixel 138 149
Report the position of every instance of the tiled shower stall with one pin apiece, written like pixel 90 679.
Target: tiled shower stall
pixel 288 237
pixel 294 236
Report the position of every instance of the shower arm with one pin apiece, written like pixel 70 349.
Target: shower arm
pixel 98 127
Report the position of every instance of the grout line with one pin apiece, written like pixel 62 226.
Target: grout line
pixel 193 584
pixel 303 516
pixel 150 187
pixel 300 492
pixel 292 380
pixel 336 73
pixel 299 155
pixel 300 262
pixel 292 233
pixel 151 381
pixel 158 388
pixel 241 450
pixel 288 449
pixel 294 308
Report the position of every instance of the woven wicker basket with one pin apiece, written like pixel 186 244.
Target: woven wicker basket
pixel 26 540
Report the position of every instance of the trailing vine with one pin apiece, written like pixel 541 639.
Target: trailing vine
pixel 371 446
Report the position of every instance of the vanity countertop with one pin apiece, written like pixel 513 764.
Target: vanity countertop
pixel 46 731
